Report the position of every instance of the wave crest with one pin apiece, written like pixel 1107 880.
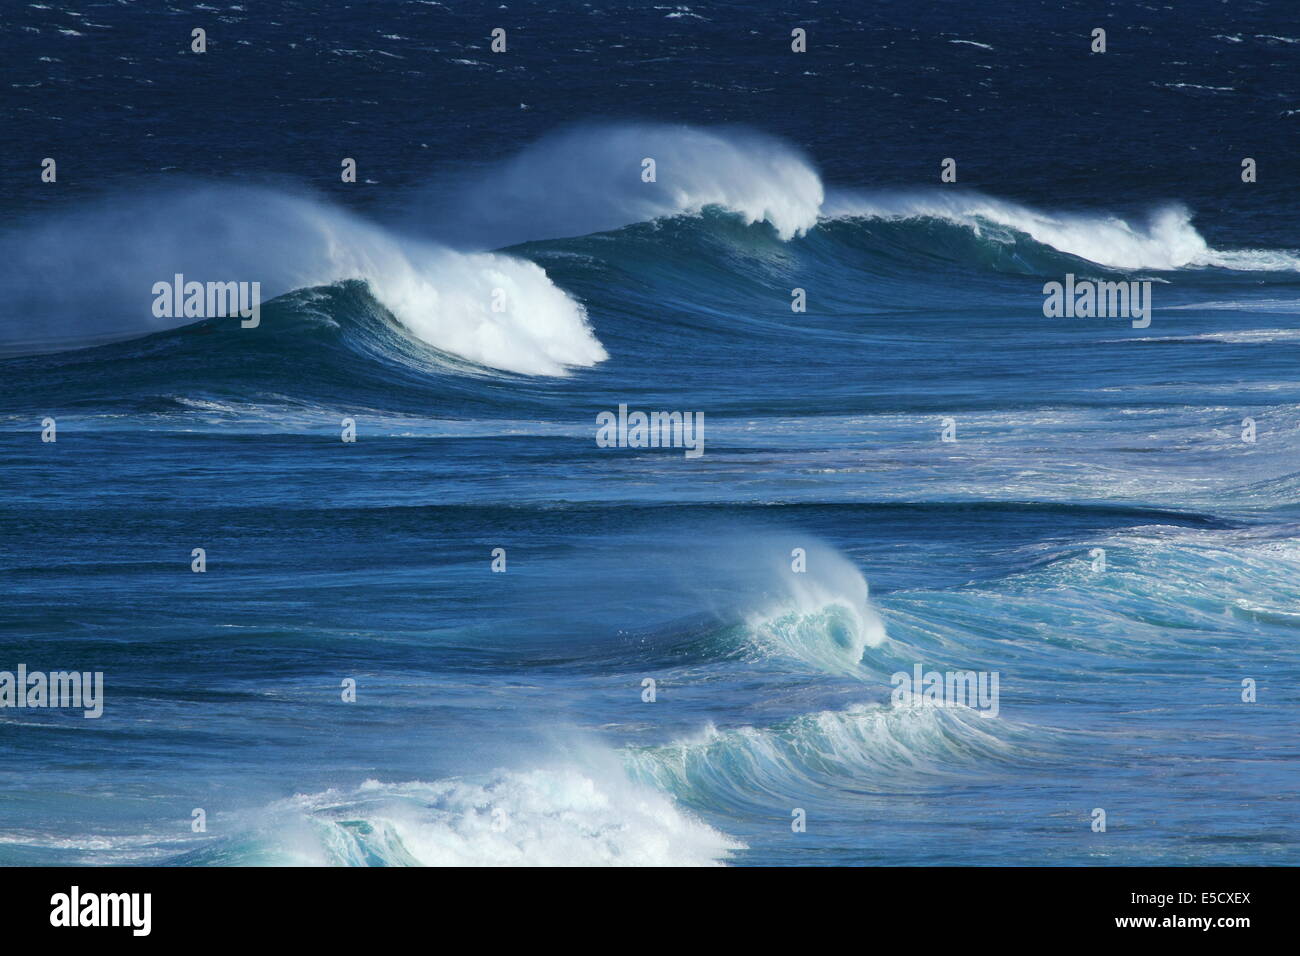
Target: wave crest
pixel 1167 240
pixel 589 179
pixel 868 747
pixel 88 276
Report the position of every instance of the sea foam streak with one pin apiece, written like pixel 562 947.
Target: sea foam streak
pixel 588 179
pixel 89 274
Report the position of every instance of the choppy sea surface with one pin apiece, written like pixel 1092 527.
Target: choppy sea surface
pixel 1101 533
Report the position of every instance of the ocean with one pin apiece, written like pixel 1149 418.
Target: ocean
pixel 367 583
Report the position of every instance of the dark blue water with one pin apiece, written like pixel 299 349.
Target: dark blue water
pixel 497 277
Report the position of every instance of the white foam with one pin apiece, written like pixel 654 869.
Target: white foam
pixel 867 746
pixel 589 179
pixel 560 816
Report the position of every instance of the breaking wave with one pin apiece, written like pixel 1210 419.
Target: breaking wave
pixel 88 276
pixel 1165 240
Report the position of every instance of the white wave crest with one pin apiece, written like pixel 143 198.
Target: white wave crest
pixel 546 817
pixel 824 630
pixel 90 275
pixel 868 746
pixel 822 617
pixel 1166 241
pixel 589 179
pixel 1235 337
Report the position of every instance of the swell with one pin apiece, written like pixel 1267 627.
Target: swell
pixel 591 178
pixel 654 288
pixel 556 815
pixel 1158 580
pixel 1168 598
pixel 670 803
pixel 74 279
